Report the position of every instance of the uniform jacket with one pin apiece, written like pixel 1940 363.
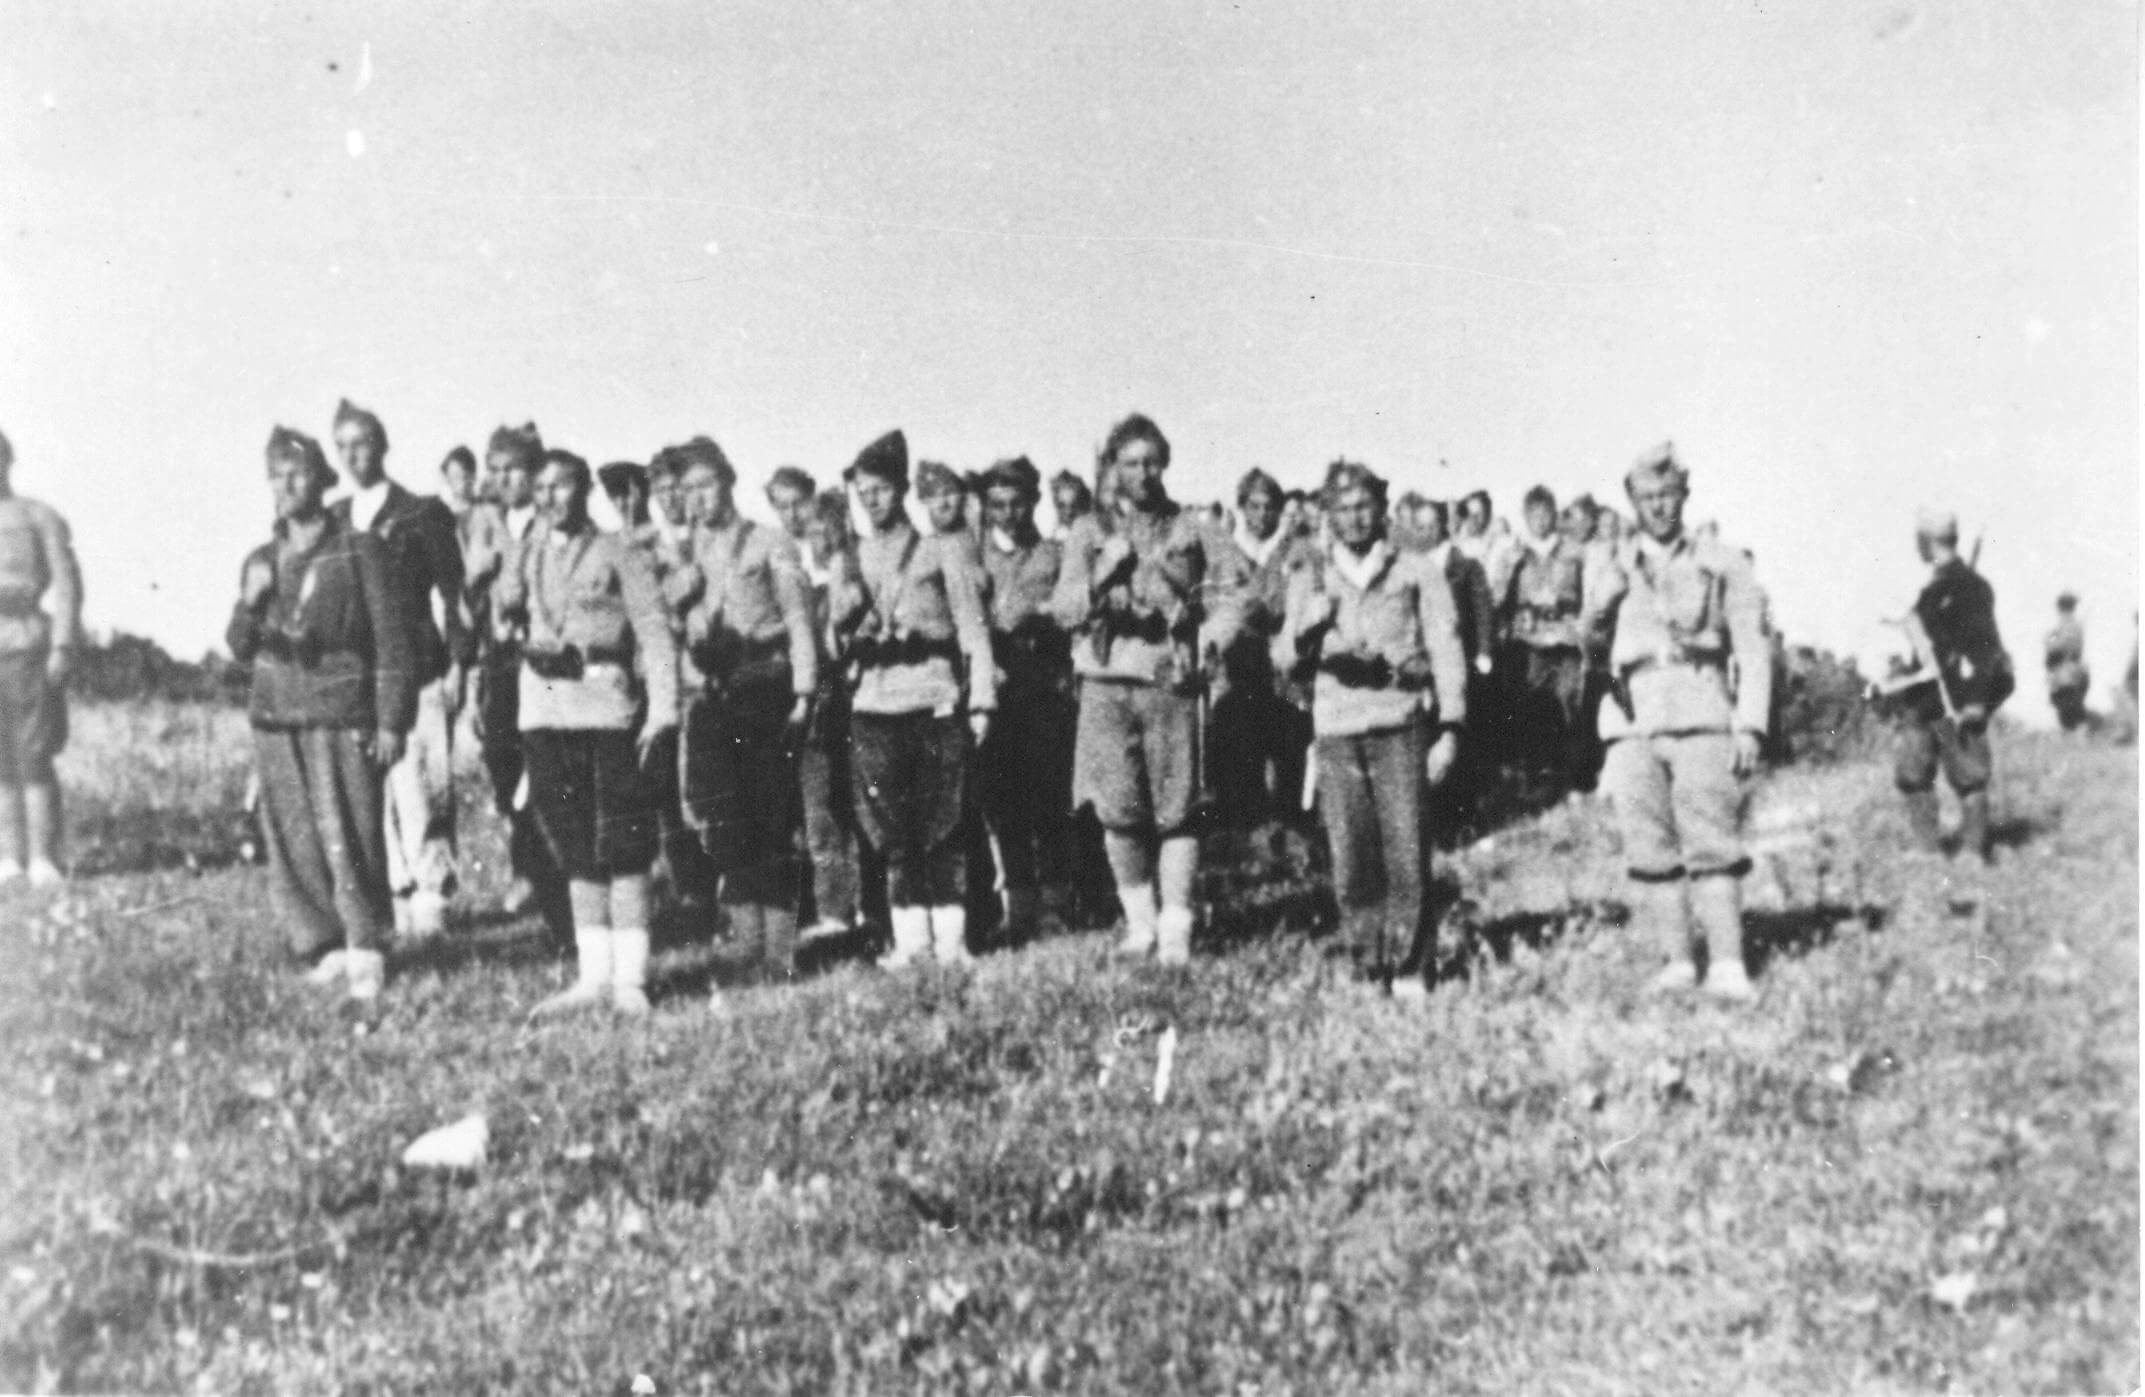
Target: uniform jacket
pixel 1542 594
pixel 328 646
pixel 490 549
pixel 1958 610
pixel 1146 628
pixel 37 565
pixel 1687 640
pixel 1470 598
pixel 422 544
pixel 2064 655
pixel 905 587
pixel 596 593
pixel 1396 608
pixel 742 591
pixel 1031 646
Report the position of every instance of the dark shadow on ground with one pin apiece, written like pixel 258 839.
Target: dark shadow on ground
pixel 1793 932
pixel 103 842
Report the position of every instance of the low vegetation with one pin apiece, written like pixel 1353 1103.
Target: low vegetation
pixel 1912 1167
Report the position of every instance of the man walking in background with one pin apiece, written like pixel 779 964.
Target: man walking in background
pixel 40 626
pixel 1685 614
pixel 418 543
pixel 334 689
pixel 2069 680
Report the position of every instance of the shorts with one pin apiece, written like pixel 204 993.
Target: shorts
pixel 1133 756
pixel 1926 744
pixel 740 773
pixel 1679 804
pixel 595 805
pixel 33 718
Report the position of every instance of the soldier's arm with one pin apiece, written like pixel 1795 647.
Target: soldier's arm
pixel 651 636
pixel 1073 602
pixel 793 598
pixel 1439 620
pixel 1222 579
pixel 1301 617
pixel 394 660
pixel 682 585
pixel 971 623
pixel 443 564
pixel 63 597
pixel 1743 606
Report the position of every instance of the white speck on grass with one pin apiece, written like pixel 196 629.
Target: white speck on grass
pixel 1165 1061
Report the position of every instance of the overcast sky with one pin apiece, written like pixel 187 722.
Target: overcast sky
pixel 1849 256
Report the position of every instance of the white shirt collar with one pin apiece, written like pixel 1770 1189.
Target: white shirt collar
pixel 1004 542
pixel 367 501
pixel 1259 551
pixel 520 519
pixel 1364 571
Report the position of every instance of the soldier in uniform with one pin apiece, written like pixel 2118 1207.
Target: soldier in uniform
pixel 1260 733
pixel 419 540
pixel 596 660
pixel 944 496
pixel 333 692
pixel 1451 805
pixel 1377 627
pixel 1070 500
pixel 458 483
pixel 792 494
pixel 748 628
pixel 40 628
pixel 1540 595
pixel 493 542
pixel 1024 766
pixel 1131 588
pixel 1947 720
pixel 1683 615
pixel 834 868
pixel 2064 653
pixel 909 613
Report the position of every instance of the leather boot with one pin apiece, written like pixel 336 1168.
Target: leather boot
pixel 1922 819
pixel 1664 918
pixel 1974 826
pixel 1717 908
pixel 592 950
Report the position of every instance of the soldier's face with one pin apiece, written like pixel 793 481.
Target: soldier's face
pixel 708 499
pixel 1261 514
pixel 881 501
pixel 1578 524
pixel 1008 509
pixel 562 495
pixel 1541 519
pixel 793 507
pixel 1066 503
pixel 944 510
pixel 667 498
pixel 512 485
pixel 1659 507
pixel 1432 524
pixel 1138 472
pixel 360 453
pixel 459 481
pixel 294 488
pixel 1357 518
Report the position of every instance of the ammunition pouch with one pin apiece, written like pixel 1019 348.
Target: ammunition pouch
pixel 723 655
pixel 878 652
pixel 567 661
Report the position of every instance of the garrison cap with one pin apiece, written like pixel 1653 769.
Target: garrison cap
pixel 702 451
pixel 459 456
pixel 620 476
pixel 665 464
pixel 1656 466
pixel 289 444
pixel 1257 481
pixel 885 459
pixel 1931 521
pixel 347 411
pixel 524 443
pixel 935 478
pixel 1018 472
pixel 792 478
pixel 1585 502
pixel 1540 494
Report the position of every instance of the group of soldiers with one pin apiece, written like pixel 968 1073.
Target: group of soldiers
pixel 862 717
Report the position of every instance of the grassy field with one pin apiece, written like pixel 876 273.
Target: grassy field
pixel 1913 1167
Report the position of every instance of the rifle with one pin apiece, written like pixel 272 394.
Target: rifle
pixel 1924 659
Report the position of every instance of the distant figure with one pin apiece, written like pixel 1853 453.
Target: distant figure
pixel 625 485
pixel 334 690
pixel 1070 501
pixel 458 482
pixel 830 837
pixel 2064 654
pixel 40 627
pixel 1259 736
pixel 1540 593
pixel 1684 615
pixel 1948 718
pixel 424 565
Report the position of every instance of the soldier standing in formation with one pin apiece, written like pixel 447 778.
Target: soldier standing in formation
pixel 1130 591
pixel 2069 681
pixel 597 662
pixel 909 613
pixel 834 868
pixel 334 690
pixel 1260 733
pixel 419 542
pixel 1684 615
pixel 747 623
pixel 40 627
pixel 1947 720
pixel 1024 765
pixel 1540 592
pixel 1377 627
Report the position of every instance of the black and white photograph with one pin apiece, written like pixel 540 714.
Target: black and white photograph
pixel 1216 698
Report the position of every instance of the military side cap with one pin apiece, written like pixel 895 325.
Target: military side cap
pixel 524 443
pixel 347 411
pixel 935 478
pixel 702 451
pixel 289 444
pixel 1016 471
pixel 886 459
pixel 1930 521
pixel 1658 466
pixel 619 476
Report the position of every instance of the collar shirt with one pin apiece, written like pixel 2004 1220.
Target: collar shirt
pixel 327 646
pixel 744 597
pixel 1149 627
pixel 1022 579
pixel 1261 573
pixel 1688 641
pixel 366 502
pixel 596 593
pixel 421 542
pixel 1545 593
pixel 905 587
pixel 1390 606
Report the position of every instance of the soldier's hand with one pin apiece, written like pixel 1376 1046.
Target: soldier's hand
pixel 259 580
pixel 386 747
pixel 1443 753
pixel 979 725
pixel 1746 753
pixel 1482 664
